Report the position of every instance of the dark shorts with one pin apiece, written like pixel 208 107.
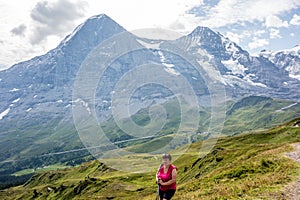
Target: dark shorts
pixel 167 194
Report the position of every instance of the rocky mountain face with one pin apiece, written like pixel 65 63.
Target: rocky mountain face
pixel 288 59
pixel 44 83
pixel 242 72
pixel 38 92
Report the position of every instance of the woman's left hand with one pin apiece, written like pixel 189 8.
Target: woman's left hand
pixel 161 182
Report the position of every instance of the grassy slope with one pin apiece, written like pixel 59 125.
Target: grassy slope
pixel 251 113
pixel 247 166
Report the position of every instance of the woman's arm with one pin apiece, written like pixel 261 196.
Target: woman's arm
pixel 173 180
pixel 157 173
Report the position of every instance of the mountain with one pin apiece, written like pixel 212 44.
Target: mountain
pixel 243 73
pixel 247 166
pixel 35 104
pixel 288 60
pixel 36 95
pixel 44 83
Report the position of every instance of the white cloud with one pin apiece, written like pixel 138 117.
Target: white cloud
pixel 50 23
pixel 275 33
pixel 256 43
pixel 295 20
pixel 274 21
pixel 15 16
pixel 259 32
pixel 135 14
pixel 234 37
pixel 54 18
pixel 2 67
pixel 237 11
pixel 19 30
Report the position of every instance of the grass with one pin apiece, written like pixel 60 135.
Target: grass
pixel 30 139
pixel 258 113
pixel 39 169
pixel 245 166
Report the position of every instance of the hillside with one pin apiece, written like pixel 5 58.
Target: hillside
pixel 246 166
pixel 246 115
pixel 39 97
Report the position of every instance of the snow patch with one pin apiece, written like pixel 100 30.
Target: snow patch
pixel 14 90
pixel 59 101
pixel 238 69
pixel 84 104
pixel 295 76
pixel 289 106
pixel 212 72
pixel 172 71
pixel 255 83
pixel 235 67
pixel 4 113
pixel 234 80
pixel 64 42
pixel 16 100
pixel 97 16
pixel 169 66
pixel 231 47
pixel 280 58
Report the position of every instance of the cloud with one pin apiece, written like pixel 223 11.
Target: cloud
pixel 274 21
pixel 259 32
pixel 54 18
pixel 238 11
pixel 275 33
pixel 177 25
pixel 19 30
pixel 136 14
pixel 295 20
pixel 234 37
pixel 2 67
pixel 256 43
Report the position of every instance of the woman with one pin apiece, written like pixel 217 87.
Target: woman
pixel 166 178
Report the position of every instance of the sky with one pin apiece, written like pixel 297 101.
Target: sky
pixel 33 27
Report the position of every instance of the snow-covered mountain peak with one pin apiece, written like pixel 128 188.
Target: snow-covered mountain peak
pixel 216 44
pixel 297 48
pixel 203 34
pixel 288 59
pixel 93 28
pixel 46 82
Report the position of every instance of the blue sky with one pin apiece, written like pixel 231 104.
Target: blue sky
pixel 33 27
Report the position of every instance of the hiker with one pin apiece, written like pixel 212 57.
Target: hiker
pixel 166 178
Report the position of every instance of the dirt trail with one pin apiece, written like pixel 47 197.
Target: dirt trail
pixel 292 191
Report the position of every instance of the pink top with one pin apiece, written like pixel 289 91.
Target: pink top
pixel 166 177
